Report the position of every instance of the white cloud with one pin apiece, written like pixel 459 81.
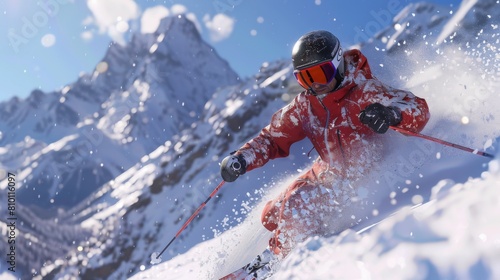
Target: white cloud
pixel 112 16
pixel 178 9
pixel 151 18
pixel 88 20
pixel 87 35
pixel 219 27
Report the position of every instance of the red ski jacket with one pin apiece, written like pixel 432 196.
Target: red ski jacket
pixel 332 124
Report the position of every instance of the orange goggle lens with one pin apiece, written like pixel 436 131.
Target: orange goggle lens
pixel 322 73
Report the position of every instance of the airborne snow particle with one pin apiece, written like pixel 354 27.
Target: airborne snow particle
pixel 48 40
pixel 417 199
pixel 122 26
pixel 102 67
pixel 153 48
pixel 488 144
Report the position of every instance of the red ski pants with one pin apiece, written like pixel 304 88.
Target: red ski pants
pixel 297 213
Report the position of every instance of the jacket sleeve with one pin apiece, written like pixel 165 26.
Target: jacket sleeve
pixel 275 140
pixel 414 110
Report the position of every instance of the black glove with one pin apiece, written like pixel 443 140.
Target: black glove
pixel 232 167
pixel 379 117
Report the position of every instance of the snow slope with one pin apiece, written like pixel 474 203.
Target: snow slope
pixel 453 236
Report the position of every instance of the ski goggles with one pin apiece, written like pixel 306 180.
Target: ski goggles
pixel 322 73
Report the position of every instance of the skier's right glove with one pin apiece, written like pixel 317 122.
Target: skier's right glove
pixel 232 167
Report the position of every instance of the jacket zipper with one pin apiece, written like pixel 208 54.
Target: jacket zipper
pixel 340 145
pixel 325 135
pixel 325 132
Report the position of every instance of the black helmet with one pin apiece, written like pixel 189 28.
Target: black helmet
pixel 316 47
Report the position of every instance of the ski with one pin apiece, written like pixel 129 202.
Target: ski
pixel 244 274
pixel 266 264
pixel 237 275
pixel 258 269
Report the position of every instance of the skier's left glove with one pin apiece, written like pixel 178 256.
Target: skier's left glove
pixel 379 117
pixel 232 167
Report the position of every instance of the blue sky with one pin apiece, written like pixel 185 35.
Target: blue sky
pixel 46 44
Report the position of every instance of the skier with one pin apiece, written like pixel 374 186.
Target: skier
pixel 343 111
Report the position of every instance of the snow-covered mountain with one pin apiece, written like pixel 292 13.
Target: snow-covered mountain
pixel 64 145
pixel 441 34
pixel 74 140
pixel 124 156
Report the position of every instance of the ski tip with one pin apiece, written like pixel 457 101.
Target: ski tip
pixel 155 258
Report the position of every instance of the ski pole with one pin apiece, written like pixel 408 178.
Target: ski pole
pixel 411 133
pixel 192 217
